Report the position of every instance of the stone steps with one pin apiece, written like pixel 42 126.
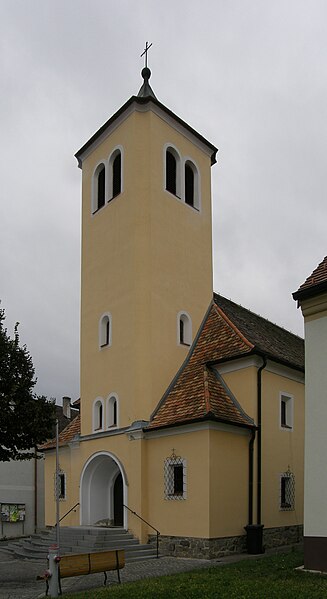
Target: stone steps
pixel 81 540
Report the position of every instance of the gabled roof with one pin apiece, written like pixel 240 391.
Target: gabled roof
pixel 266 337
pixel 197 392
pixel 228 331
pixel 315 284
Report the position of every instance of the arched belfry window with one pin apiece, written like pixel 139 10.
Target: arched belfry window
pixel 112 411
pixel 105 330
pixel 98 415
pixel 184 329
pixel 99 188
pixel 191 185
pixel 115 183
pixel 172 171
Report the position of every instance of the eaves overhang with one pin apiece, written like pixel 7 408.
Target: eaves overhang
pixel 308 292
pixel 206 418
pixel 142 101
pixel 256 352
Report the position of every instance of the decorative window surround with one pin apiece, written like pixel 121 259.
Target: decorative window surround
pixel 182 178
pixel 98 191
pixel 98 415
pixel 112 411
pixel 286 409
pixel 105 330
pixel 184 329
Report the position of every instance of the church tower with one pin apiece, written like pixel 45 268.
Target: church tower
pixel 146 257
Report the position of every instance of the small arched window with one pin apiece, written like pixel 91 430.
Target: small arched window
pixel 172 172
pixel 112 411
pixel 184 329
pixel 105 330
pixel 115 182
pixel 99 187
pixel 98 415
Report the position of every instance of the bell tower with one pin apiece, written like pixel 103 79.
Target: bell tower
pixel 146 257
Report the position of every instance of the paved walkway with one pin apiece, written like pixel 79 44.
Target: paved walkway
pixel 18 577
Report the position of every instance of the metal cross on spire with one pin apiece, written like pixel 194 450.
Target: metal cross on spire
pixel 146 50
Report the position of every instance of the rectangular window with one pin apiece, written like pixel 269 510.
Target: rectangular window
pixel 286 411
pixel 175 478
pixel 287 491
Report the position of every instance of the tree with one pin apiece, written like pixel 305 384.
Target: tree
pixel 26 420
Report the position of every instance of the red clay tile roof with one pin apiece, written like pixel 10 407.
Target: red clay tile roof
pixel 197 392
pixel 66 436
pixel 228 331
pixel 316 283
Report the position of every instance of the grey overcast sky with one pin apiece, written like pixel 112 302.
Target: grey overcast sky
pixel 249 75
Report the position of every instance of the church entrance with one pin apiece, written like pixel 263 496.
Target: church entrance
pixel 102 491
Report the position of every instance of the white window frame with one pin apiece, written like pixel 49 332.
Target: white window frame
pixel 106 317
pixel 112 156
pixel 113 397
pixel 96 424
pixel 197 187
pixel 185 317
pixel 94 186
pixel 289 411
pixel 170 464
pixel 171 148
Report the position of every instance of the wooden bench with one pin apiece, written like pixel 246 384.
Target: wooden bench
pixel 80 564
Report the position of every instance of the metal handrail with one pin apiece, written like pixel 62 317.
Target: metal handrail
pixel 148 523
pixel 71 509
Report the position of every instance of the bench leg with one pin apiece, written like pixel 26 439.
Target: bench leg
pixel 117 564
pixel 105 578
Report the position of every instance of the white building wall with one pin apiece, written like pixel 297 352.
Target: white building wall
pixel 17 485
pixel 315 480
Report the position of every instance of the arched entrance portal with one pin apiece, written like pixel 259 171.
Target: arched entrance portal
pixel 103 486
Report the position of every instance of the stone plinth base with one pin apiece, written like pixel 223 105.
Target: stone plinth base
pixel 202 548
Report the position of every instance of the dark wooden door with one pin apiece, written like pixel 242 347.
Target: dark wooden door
pixel 118 501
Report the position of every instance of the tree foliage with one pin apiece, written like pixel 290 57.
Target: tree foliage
pixel 26 420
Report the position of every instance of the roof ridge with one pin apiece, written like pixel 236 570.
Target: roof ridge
pixel 264 318
pixel 234 327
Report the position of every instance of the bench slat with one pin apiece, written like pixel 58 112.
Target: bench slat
pixel 78 564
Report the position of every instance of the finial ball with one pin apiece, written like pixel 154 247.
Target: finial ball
pixel 146 73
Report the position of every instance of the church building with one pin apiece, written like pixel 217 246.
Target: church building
pixel 191 407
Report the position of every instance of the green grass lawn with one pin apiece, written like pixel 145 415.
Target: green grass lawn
pixel 272 577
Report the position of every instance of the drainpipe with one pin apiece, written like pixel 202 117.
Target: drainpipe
pixel 254 532
pixel 259 398
pixel 251 447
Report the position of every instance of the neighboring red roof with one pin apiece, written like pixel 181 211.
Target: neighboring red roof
pixel 315 283
pixel 66 436
pixel 198 392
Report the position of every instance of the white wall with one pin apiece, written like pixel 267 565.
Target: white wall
pixel 315 480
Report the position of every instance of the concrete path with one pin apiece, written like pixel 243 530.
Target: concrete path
pixel 18 577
